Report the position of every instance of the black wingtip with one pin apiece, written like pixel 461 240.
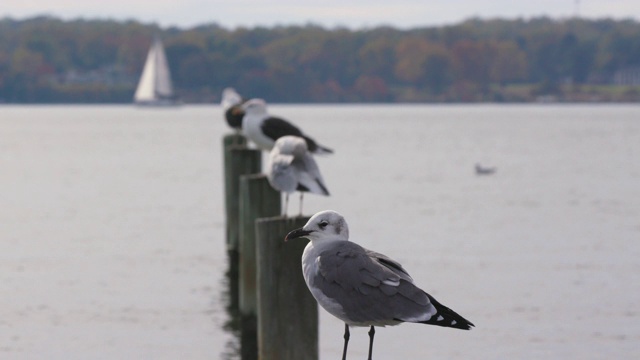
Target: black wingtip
pixel 324 188
pixel 324 150
pixel 447 318
pixel 316 148
pixel 447 321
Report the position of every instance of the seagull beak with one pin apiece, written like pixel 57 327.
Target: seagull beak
pixel 297 233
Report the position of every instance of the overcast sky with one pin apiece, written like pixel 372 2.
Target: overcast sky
pixel 331 13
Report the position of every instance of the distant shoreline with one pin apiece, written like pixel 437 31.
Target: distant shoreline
pixel 51 61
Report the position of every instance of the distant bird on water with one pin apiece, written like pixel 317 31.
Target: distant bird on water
pixel 232 106
pixel 482 170
pixel 264 129
pixel 362 287
pixel 292 168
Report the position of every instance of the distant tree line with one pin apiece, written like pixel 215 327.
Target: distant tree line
pixel 46 60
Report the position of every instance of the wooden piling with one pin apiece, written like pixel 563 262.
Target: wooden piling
pixel 257 200
pixel 287 312
pixel 238 160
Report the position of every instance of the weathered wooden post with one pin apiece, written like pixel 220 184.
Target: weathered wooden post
pixel 287 312
pixel 230 294
pixel 257 199
pixel 238 160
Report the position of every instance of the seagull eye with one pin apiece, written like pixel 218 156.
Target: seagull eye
pixel 323 224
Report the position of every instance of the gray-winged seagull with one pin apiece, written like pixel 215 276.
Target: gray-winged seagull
pixel 264 129
pixel 362 287
pixel 292 168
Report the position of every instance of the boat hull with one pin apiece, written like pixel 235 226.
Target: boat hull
pixel 158 103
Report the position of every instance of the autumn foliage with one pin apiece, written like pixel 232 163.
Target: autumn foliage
pixel 50 60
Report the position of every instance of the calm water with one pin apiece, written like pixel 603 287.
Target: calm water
pixel 112 225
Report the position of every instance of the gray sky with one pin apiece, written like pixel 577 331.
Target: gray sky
pixel 328 13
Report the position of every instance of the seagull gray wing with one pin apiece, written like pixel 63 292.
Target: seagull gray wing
pixel 309 177
pixel 370 288
pixel 390 264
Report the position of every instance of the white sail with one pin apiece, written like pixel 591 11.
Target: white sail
pixel 155 82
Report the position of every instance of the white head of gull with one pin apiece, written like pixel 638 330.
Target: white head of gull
pixel 362 287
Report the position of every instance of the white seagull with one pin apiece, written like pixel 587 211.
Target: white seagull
pixel 292 168
pixel 232 106
pixel 264 129
pixel 362 287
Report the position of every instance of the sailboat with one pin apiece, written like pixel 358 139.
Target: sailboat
pixel 155 86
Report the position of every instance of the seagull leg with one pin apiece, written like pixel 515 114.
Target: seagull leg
pixel 237 140
pixel 301 194
pixel 346 341
pixel 372 332
pixel 286 204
